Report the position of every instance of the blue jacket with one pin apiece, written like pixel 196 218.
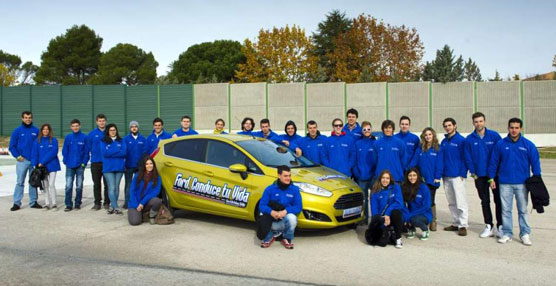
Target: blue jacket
pixel 421 205
pixel 113 156
pixel 356 133
pixel 290 198
pixel 514 161
pixel 381 199
pixel 365 159
pixel 478 151
pixel 292 139
pixel 245 133
pixel 46 153
pixel 430 163
pixel 93 145
pixel 136 148
pixel 181 133
pixel 412 143
pixel 341 153
pixel 390 156
pixel 152 140
pixel 271 136
pixel 135 197
pixel 21 142
pixel 75 151
pixel 314 149
pixel 454 156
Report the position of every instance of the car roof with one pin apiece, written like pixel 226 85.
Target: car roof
pixel 221 137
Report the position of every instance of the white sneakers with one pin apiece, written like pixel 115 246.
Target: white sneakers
pixel 399 243
pixel 504 239
pixel 500 232
pixel 487 232
pixel 526 240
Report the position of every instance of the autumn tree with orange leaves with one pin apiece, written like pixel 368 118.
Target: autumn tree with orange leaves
pixel 280 55
pixel 374 51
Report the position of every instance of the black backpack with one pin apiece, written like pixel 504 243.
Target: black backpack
pixel 38 174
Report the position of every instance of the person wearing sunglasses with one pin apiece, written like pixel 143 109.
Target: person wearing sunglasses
pixel 340 149
pixel 365 163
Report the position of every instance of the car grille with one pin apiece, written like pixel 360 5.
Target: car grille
pixel 342 219
pixel 349 201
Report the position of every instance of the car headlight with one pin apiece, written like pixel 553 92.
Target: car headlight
pixel 314 190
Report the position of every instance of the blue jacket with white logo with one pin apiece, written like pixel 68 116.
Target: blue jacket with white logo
pixel 136 148
pixel 113 156
pixel 22 139
pixel 290 198
pixel 314 148
pixel 412 143
pixel 430 163
pixel 478 151
pixel 356 133
pixel 75 151
pixel 341 153
pixel 390 156
pixel 514 161
pixel 152 140
pixel 454 156
pixel 365 159
pixel 292 139
pixel 421 205
pixel 387 200
pixel 181 133
pixel 46 153
pixel 93 145
pixel 139 196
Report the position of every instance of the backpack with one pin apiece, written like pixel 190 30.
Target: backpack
pixel 38 174
pixel 164 216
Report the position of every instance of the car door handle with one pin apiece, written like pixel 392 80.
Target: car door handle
pixel 208 173
pixel 169 164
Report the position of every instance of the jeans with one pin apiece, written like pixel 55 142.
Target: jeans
pixel 136 218
pixel 365 187
pixel 21 170
pixel 507 192
pixel 129 172
pixel 113 179
pixel 483 188
pixel 77 174
pixel 419 221
pixel 96 173
pixel 286 226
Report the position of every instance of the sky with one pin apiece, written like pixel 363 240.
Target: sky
pixel 513 37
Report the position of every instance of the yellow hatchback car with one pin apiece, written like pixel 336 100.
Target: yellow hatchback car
pixel 227 174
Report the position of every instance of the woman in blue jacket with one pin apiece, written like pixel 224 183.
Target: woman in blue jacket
pixel 143 195
pixel 219 126
pixel 45 154
pixel 113 150
pixel 429 159
pixel 386 208
pixel 417 198
pixel 365 163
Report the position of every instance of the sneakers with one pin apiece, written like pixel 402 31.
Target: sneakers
pixel 68 209
pixel 118 212
pixel 425 235
pixel 15 208
pixel 110 211
pixel 487 232
pixel 399 243
pixel 46 208
pixel 55 208
pixel 462 231
pixel 286 243
pixel 267 244
pixel 95 208
pixel 77 207
pixel 526 240
pixel 410 234
pixel 106 206
pixel 451 228
pixel 500 232
pixel 504 239
pixel 36 206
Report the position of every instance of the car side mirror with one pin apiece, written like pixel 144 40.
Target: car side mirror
pixel 240 169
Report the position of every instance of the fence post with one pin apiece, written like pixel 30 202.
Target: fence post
pixel 229 108
pixel 266 100
pixel 305 103
pixel 430 103
pixel 474 96
pixel 387 103
pixel 522 105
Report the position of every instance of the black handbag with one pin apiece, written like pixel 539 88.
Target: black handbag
pixel 38 174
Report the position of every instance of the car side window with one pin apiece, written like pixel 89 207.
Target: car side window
pixel 192 149
pixel 224 155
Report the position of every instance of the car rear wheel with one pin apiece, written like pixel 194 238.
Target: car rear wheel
pixel 166 201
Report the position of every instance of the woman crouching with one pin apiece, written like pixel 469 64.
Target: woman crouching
pixel 143 194
pixel 417 196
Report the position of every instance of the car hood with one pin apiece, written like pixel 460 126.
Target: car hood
pixel 322 177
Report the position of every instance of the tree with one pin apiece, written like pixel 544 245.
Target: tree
pixel 472 72
pixel 515 77
pixel 218 60
pixel 280 55
pixel 335 24
pixel 71 58
pixel 496 77
pixel 374 51
pixel 9 61
pixel 445 67
pixel 7 77
pixel 23 74
pixel 127 64
pixel 554 61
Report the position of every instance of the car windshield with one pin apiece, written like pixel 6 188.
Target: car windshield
pixel 272 155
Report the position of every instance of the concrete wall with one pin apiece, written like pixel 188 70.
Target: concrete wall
pixel 325 101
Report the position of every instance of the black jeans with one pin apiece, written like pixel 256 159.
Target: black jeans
pixel 433 194
pixel 136 218
pixel 377 223
pixel 483 188
pixel 96 172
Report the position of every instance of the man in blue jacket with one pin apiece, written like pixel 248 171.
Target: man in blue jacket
pixel 340 149
pixel 75 156
pixel 514 157
pixel 135 150
pixel 157 135
pixel 93 146
pixel 411 140
pixel 478 148
pixel 21 144
pixel 313 146
pixel 390 152
pixel 266 132
pixel 454 175
pixel 290 138
pixel 352 128
pixel 185 128
pixel 281 200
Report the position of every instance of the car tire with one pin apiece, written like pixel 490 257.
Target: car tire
pixel 257 213
pixel 166 201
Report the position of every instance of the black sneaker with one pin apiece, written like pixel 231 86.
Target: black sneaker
pixel 96 207
pixel 118 212
pixel 15 208
pixel 67 209
pixel 106 206
pixel 36 206
pixel 110 211
pixel 77 207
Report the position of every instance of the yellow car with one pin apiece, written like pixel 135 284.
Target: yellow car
pixel 227 174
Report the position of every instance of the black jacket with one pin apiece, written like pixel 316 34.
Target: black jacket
pixel 264 223
pixel 539 194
